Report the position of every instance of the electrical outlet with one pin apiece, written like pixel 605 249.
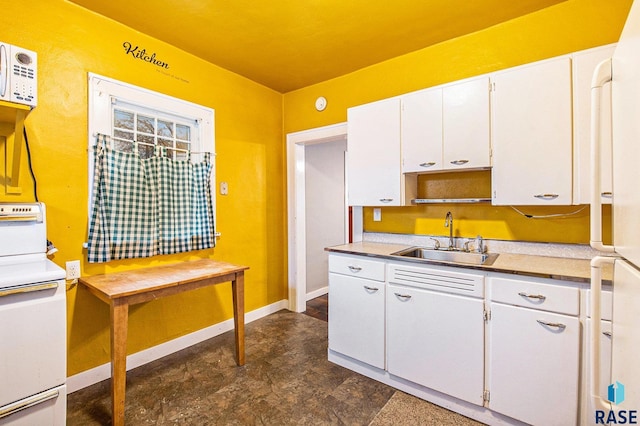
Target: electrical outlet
pixel 377 215
pixel 73 269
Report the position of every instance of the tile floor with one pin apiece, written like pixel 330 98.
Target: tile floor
pixel 287 381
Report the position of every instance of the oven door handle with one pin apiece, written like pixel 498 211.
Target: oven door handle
pixel 23 404
pixel 27 288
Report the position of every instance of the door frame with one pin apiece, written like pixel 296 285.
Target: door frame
pixel 296 207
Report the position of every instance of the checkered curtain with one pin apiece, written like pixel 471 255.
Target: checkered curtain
pixel 145 207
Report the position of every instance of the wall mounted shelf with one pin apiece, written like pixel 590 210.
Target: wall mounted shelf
pixel 12 118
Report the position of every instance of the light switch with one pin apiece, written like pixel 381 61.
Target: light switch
pixel 224 188
pixel 377 215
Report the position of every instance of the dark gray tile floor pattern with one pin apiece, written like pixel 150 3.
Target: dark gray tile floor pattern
pixel 287 380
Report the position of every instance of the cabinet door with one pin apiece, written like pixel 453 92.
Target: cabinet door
pixel 532 159
pixel 422 131
pixel 436 340
pixel 356 318
pixel 373 157
pixel 533 365
pixel 465 110
pixel 605 361
pixel 584 63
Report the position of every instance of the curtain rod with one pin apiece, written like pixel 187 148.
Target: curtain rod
pixel 110 138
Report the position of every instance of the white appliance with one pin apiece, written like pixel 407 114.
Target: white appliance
pixel 33 344
pixel 623 70
pixel 18 75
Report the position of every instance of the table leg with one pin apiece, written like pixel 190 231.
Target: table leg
pixel 119 321
pixel 237 286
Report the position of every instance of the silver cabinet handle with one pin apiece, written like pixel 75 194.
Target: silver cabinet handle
pixel 355 268
pixel 459 162
pixel 366 287
pixel 552 324
pixel 23 404
pixel 607 333
pixel 403 296
pixel 386 200
pixel 27 288
pixel 429 164
pixel 532 296
pixel 606 194
pixel 546 196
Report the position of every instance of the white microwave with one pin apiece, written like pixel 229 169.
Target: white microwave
pixel 18 75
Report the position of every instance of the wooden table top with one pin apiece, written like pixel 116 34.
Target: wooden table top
pixel 127 283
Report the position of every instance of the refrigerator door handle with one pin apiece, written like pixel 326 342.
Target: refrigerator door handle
pixel 601 75
pixel 594 347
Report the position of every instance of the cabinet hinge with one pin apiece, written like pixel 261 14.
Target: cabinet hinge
pixel 486 315
pixel 486 396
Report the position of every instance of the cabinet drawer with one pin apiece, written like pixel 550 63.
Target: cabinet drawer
pixel 357 266
pixel 536 295
pixel 606 304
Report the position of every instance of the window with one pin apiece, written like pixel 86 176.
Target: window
pixel 127 113
pixel 151 156
pixel 151 129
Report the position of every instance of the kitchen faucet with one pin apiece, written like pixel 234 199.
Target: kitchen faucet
pixel 448 222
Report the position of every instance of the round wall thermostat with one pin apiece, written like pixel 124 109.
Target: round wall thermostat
pixel 321 103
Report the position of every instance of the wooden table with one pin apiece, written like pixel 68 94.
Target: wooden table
pixel 121 289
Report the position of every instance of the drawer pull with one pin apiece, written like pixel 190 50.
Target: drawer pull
pixel 606 194
pixel 372 289
pixel 403 296
pixel 459 162
pixel 355 268
pixel 27 288
pixel 540 297
pixel 386 200
pixel 546 196
pixel 552 324
pixel 429 164
pixel 607 333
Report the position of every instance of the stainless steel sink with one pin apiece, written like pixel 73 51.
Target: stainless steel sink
pixel 444 255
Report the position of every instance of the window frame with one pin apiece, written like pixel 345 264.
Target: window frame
pixel 102 91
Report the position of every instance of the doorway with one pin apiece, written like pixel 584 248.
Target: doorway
pixel 324 210
pixel 318 216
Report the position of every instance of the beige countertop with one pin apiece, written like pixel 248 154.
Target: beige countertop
pixel 559 268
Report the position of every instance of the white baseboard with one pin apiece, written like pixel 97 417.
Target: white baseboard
pixel 317 293
pixel 102 372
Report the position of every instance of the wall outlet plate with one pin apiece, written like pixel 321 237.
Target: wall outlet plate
pixel 73 269
pixel 377 215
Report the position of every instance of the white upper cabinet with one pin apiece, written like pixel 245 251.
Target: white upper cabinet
pixel 466 124
pixel 584 63
pixel 447 127
pixel 373 154
pixel 532 134
pixel 422 131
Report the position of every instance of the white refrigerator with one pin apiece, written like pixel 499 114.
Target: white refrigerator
pixel 623 71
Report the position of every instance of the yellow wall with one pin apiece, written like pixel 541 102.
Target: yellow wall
pixel 71 42
pixel 569 26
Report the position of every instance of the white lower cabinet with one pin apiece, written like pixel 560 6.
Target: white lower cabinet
pixel 510 357
pixel 534 356
pixel 436 340
pixel 356 308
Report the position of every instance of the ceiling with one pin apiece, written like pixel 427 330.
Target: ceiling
pixel 289 44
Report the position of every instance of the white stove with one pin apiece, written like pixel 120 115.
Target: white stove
pixel 32 321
